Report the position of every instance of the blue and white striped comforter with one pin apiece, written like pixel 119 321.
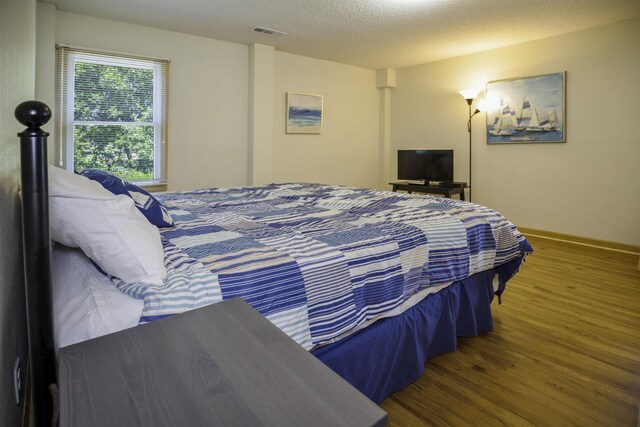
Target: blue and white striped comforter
pixel 317 260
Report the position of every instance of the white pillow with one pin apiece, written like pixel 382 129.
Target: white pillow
pixel 107 227
pixel 86 304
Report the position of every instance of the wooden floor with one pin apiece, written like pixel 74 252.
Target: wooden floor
pixel 565 350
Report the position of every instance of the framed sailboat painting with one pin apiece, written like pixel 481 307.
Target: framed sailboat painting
pixel 527 109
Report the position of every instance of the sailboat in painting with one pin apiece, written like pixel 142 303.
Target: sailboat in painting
pixel 525 115
pixel 495 122
pixel 552 123
pixel 534 122
pixel 506 121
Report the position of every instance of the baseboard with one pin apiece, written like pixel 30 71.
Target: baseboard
pixel 604 244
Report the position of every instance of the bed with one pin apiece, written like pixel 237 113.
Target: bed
pixel 372 282
pixel 335 260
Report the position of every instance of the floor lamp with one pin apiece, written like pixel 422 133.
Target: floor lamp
pixel 469 95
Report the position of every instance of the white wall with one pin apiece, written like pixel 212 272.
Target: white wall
pixel 210 119
pixel 588 186
pixel 208 95
pixel 569 188
pixel 346 152
pixel 17 80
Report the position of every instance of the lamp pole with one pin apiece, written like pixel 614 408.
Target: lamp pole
pixel 469 101
pixel 469 95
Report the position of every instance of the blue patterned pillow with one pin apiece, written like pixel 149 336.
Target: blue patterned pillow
pixel 150 207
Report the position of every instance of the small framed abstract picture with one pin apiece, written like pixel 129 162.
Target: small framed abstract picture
pixel 527 110
pixel 304 113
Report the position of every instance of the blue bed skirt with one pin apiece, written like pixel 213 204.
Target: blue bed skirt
pixel 391 353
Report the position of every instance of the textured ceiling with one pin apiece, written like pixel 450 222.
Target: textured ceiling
pixel 368 33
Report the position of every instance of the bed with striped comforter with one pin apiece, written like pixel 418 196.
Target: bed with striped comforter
pixel 317 260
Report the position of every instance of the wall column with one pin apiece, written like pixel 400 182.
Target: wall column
pixel 385 81
pixel 261 110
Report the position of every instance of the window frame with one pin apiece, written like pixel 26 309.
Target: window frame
pixel 68 56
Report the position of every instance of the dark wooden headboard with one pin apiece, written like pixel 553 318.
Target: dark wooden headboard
pixel 37 259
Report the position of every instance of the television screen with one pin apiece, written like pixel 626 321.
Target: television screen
pixel 428 165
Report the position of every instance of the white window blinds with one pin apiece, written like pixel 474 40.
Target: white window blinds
pixel 112 114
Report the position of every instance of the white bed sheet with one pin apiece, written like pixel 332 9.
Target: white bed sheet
pixel 86 303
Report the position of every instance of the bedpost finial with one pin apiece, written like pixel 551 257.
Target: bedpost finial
pixel 33 114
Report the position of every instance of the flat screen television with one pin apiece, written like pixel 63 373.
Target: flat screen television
pixel 425 165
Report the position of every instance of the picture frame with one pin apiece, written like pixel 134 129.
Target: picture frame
pixel 527 109
pixel 304 113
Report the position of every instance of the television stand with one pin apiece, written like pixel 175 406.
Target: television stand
pixel 446 190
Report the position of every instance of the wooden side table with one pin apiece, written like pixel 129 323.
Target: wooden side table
pixel 220 365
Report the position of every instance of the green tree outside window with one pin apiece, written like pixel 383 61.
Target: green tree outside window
pixel 113 120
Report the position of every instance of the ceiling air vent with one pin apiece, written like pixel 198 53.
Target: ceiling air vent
pixel 268 31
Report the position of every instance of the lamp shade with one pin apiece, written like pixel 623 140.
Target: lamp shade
pixel 469 93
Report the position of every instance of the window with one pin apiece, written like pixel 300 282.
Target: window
pixel 112 114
